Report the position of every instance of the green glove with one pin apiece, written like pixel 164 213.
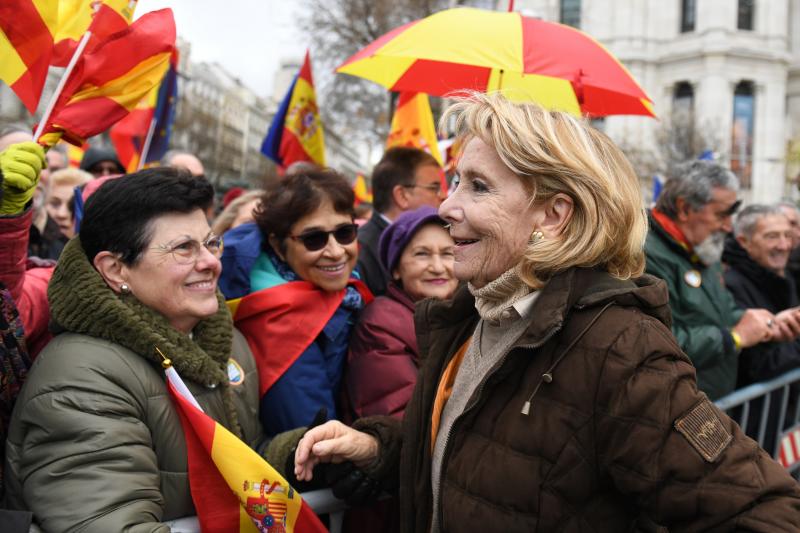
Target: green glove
pixel 20 165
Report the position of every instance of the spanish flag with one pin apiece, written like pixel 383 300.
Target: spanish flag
pixel 280 322
pixel 234 488
pixel 296 130
pixel 76 17
pixel 109 82
pixel 155 111
pixel 412 125
pixel 26 45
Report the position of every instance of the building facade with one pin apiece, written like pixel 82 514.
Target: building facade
pixel 733 66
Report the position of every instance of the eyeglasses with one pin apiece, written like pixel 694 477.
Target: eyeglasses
pixel 433 187
pixel 317 239
pixel 188 251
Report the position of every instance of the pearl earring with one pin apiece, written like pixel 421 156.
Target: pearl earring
pixel 125 288
pixel 536 236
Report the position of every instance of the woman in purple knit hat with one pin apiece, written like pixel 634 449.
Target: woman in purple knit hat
pixel 381 372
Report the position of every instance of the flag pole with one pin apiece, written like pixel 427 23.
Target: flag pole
pixel 147 141
pixel 61 83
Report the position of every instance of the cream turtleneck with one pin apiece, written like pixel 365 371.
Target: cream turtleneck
pixel 498 295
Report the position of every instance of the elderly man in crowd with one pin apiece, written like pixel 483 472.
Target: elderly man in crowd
pixel 684 245
pixel 757 278
pixel 404 179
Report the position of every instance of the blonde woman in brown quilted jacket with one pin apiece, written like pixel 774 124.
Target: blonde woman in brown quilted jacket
pixel 553 396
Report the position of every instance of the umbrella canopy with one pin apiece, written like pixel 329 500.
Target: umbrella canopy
pixel 527 59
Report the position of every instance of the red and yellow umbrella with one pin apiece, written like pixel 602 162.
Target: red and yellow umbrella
pixel 527 59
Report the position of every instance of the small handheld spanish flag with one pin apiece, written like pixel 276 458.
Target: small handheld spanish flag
pixel 234 488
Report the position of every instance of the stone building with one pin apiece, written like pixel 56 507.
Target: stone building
pixel 732 65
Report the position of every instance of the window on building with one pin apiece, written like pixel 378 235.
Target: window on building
pixel 570 13
pixel 742 132
pixel 688 13
pixel 745 17
pixel 683 98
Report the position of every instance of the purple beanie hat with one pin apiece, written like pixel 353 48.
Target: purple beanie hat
pixel 396 237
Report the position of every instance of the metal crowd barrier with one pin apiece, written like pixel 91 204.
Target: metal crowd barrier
pixel 322 501
pixel 774 407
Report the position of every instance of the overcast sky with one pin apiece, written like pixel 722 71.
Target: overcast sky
pixel 248 37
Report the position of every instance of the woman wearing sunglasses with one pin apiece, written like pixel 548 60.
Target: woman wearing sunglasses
pixel 288 278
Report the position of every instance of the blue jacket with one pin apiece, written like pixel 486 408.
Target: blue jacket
pixel 314 380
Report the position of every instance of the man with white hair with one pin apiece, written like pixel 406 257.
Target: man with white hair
pixel 684 245
pixel 756 277
pixel 756 256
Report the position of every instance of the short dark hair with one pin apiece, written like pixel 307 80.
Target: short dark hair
pixel 298 195
pixel 396 167
pixel 118 216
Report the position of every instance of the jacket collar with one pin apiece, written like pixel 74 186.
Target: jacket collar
pixel 678 246
pixel 574 288
pixel 397 294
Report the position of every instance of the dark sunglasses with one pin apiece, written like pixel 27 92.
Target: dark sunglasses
pixel 317 239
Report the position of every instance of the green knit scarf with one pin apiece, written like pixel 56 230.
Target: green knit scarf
pixel 81 302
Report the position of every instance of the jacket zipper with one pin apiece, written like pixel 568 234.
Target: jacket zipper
pixel 474 401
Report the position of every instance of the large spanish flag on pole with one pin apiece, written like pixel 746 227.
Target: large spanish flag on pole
pixel 110 81
pixel 234 488
pixel 76 17
pixel 296 130
pixel 412 125
pixel 26 45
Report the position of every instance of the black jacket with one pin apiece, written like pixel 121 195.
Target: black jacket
pixel 753 286
pixel 369 263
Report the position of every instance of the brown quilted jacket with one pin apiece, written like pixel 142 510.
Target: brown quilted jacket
pixel 617 437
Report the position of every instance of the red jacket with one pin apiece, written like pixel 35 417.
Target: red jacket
pixel 28 286
pixel 383 360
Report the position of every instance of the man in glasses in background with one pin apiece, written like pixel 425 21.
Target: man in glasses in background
pixel 688 227
pixel 404 179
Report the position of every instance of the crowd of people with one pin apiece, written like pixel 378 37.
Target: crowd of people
pixel 532 351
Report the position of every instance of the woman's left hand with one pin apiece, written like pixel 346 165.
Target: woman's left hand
pixel 332 442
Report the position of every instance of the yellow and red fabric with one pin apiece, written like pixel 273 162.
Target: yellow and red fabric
pixel 412 124
pixel 26 46
pixel 76 17
pixel 74 153
pixel 129 134
pixel 360 190
pixel 295 133
pixel 234 488
pixel 527 59
pixel 109 82
pixel 280 322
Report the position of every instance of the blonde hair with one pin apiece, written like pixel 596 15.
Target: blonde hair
pixel 553 152
pixel 225 219
pixel 70 176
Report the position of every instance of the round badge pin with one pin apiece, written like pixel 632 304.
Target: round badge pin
pixel 235 372
pixel 693 278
